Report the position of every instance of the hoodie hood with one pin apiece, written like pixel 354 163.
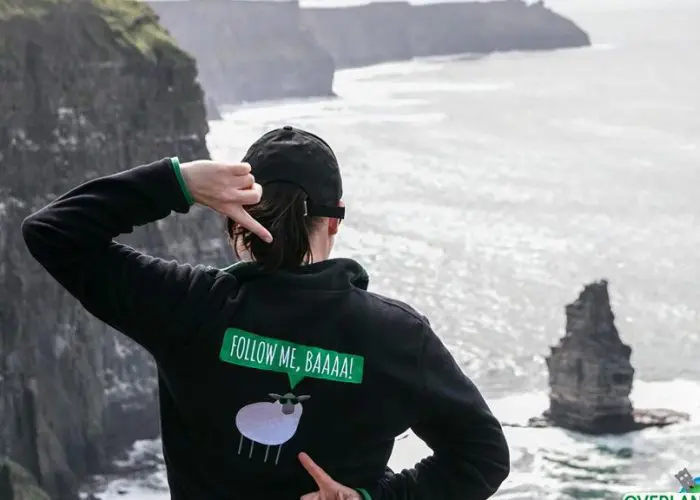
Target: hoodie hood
pixel 330 274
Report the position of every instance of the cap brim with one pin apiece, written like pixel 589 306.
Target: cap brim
pixel 325 211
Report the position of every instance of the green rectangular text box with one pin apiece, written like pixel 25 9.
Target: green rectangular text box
pixel 296 360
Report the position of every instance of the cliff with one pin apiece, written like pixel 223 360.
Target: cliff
pixel 18 484
pixel 249 51
pixel 590 373
pixel 379 32
pixel 270 50
pixel 88 87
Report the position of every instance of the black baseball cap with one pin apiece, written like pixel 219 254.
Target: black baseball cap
pixel 293 155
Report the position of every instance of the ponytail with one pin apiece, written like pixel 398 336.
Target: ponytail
pixel 282 212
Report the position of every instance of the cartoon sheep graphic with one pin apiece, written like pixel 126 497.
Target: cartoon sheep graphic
pixel 270 424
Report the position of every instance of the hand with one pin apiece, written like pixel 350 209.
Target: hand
pixel 328 488
pixel 226 188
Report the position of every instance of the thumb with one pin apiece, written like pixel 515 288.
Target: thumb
pixel 322 479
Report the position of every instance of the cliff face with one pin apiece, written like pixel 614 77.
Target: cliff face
pixel 367 34
pixel 270 50
pixel 380 32
pixel 494 27
pixel 88 88
pixel 249 51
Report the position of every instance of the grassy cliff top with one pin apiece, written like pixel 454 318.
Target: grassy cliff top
pixel 132 23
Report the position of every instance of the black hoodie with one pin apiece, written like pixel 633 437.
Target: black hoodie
pixel 255 367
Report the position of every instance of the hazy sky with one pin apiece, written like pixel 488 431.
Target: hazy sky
pixel 553 3
pixel 563 6
pixel 596 4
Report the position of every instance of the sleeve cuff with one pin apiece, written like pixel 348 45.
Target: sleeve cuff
pixel 364 493
pixel 175 163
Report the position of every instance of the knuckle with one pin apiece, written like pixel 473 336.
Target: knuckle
pixel 232 196
pixel 242 181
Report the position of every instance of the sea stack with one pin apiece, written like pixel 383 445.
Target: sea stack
pixel 590 373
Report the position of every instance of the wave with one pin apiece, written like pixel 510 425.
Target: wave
pixel 551 464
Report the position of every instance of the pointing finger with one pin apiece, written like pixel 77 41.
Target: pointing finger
pixel 311 496
pixel 244 219
pixel 322 479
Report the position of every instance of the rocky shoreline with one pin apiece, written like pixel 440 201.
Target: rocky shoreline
pixel 641 419
pixel 142 464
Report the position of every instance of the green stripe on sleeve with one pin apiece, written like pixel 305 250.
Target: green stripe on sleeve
pixel 175 162
pixel 365 494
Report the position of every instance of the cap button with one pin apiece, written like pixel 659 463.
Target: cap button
pixel 288 128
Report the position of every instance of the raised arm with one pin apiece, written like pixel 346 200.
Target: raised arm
pixel 155 302
pixel 470 455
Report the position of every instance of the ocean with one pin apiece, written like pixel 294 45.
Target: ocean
pixel 486 191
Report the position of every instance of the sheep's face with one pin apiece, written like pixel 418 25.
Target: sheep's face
pixel 288 401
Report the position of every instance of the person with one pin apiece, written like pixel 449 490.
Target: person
pixel 281 376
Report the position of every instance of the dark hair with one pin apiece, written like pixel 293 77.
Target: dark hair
pixel 281 211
